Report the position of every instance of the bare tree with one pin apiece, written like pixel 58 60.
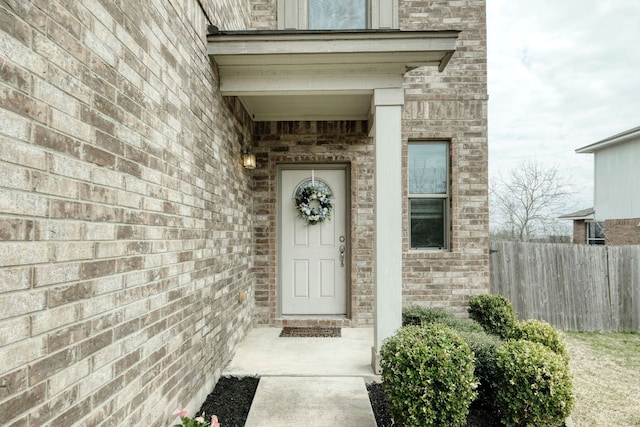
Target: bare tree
pixel 527 202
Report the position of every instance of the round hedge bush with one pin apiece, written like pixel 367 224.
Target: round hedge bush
pixel 543 333
pixel 427 375
pixel 534 386
pixel 495 314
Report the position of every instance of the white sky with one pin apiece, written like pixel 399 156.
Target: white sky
pixel 562 74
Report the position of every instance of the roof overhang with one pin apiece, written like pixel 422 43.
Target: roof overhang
pixel 626 136
pixel 321 75
pixel 585 214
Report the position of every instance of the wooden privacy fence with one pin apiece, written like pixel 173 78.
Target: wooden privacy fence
pixel 574 287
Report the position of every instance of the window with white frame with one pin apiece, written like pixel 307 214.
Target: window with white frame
pixel 337 14
pixel 428 187
pixel 595 233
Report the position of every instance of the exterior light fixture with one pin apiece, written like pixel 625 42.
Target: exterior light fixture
pixel 248 159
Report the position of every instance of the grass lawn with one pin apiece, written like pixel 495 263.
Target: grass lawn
pixel 606 375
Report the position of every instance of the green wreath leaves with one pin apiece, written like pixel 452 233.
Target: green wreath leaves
pixel 313 204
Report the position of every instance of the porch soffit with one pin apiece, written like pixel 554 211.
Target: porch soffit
pixel 321 75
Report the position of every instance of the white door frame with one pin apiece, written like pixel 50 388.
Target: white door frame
pixel 279 194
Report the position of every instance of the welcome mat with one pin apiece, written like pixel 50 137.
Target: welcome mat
pixel 299 332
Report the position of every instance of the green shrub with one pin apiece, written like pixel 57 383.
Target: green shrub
pixel 418 315
pixel 495 314
pixel 463 325
pixel 543 333
pixel 484 347
pixel 427 374
pixel 533 385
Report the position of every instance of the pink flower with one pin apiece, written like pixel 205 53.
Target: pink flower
pixel 181 412
pixel 214 421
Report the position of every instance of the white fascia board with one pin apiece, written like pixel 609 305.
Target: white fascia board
pixel 267 117
pixel 329 53
pixel 260 43
pixel 287 84
pixel 385 60
pixel 272 64
pixel 626 136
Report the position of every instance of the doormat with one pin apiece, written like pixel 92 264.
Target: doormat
pixel 297 332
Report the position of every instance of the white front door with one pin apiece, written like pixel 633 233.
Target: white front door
pixel 313 257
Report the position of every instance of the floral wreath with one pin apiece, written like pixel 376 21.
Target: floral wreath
pixel 313 203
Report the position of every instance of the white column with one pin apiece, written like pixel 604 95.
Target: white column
pixel 387 134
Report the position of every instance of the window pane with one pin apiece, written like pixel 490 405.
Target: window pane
pixel 337 14
pixel 428 168
pixel 595 233
pixel 427 223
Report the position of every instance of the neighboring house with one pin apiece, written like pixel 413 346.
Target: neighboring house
pixel 615 217
pixel 136 251
pixel 585 229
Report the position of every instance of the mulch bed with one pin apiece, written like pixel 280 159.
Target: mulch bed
pixel 231 400
pixel 299 332
pixel 379 403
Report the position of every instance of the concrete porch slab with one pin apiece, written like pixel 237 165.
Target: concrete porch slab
pixel 310 402
pixel 307 381
pixel 264 353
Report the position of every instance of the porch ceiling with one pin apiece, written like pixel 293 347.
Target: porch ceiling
pixel 320 75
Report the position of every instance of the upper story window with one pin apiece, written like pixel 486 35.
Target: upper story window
pixel 428 182
pixel 337 14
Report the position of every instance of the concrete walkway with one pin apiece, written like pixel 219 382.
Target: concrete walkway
pixel 307 381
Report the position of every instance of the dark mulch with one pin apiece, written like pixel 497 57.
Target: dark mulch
pixel 231 400
pixel 380 405
pixel 232 396
pixel 477 417
pixel 299 332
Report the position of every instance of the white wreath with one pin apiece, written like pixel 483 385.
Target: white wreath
pixel 313 204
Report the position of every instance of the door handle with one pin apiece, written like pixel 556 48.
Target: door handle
pixel 342 255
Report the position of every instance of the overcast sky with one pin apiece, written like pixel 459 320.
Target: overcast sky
pixel 562 74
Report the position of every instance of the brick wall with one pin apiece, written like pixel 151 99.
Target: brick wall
pixel 126 220
pixel 264 14
pixel 579 232
pixel 452 106
pixel 444 106
pixel 622 231
pixel 125 216
pixel 314 142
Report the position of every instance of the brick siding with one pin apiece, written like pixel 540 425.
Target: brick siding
pixel 314 142
pixel 439 106
pixel 130 234
pixel 580 232
pixel 622 231
pixel 617 231
pixel 125 215
pixel 451 106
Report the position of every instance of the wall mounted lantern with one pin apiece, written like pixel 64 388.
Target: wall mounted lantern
pixel 248 159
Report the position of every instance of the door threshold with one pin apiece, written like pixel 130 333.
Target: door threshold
pixel 309 321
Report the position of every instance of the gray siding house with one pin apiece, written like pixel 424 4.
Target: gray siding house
pixel 615 217
pixel 154 158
